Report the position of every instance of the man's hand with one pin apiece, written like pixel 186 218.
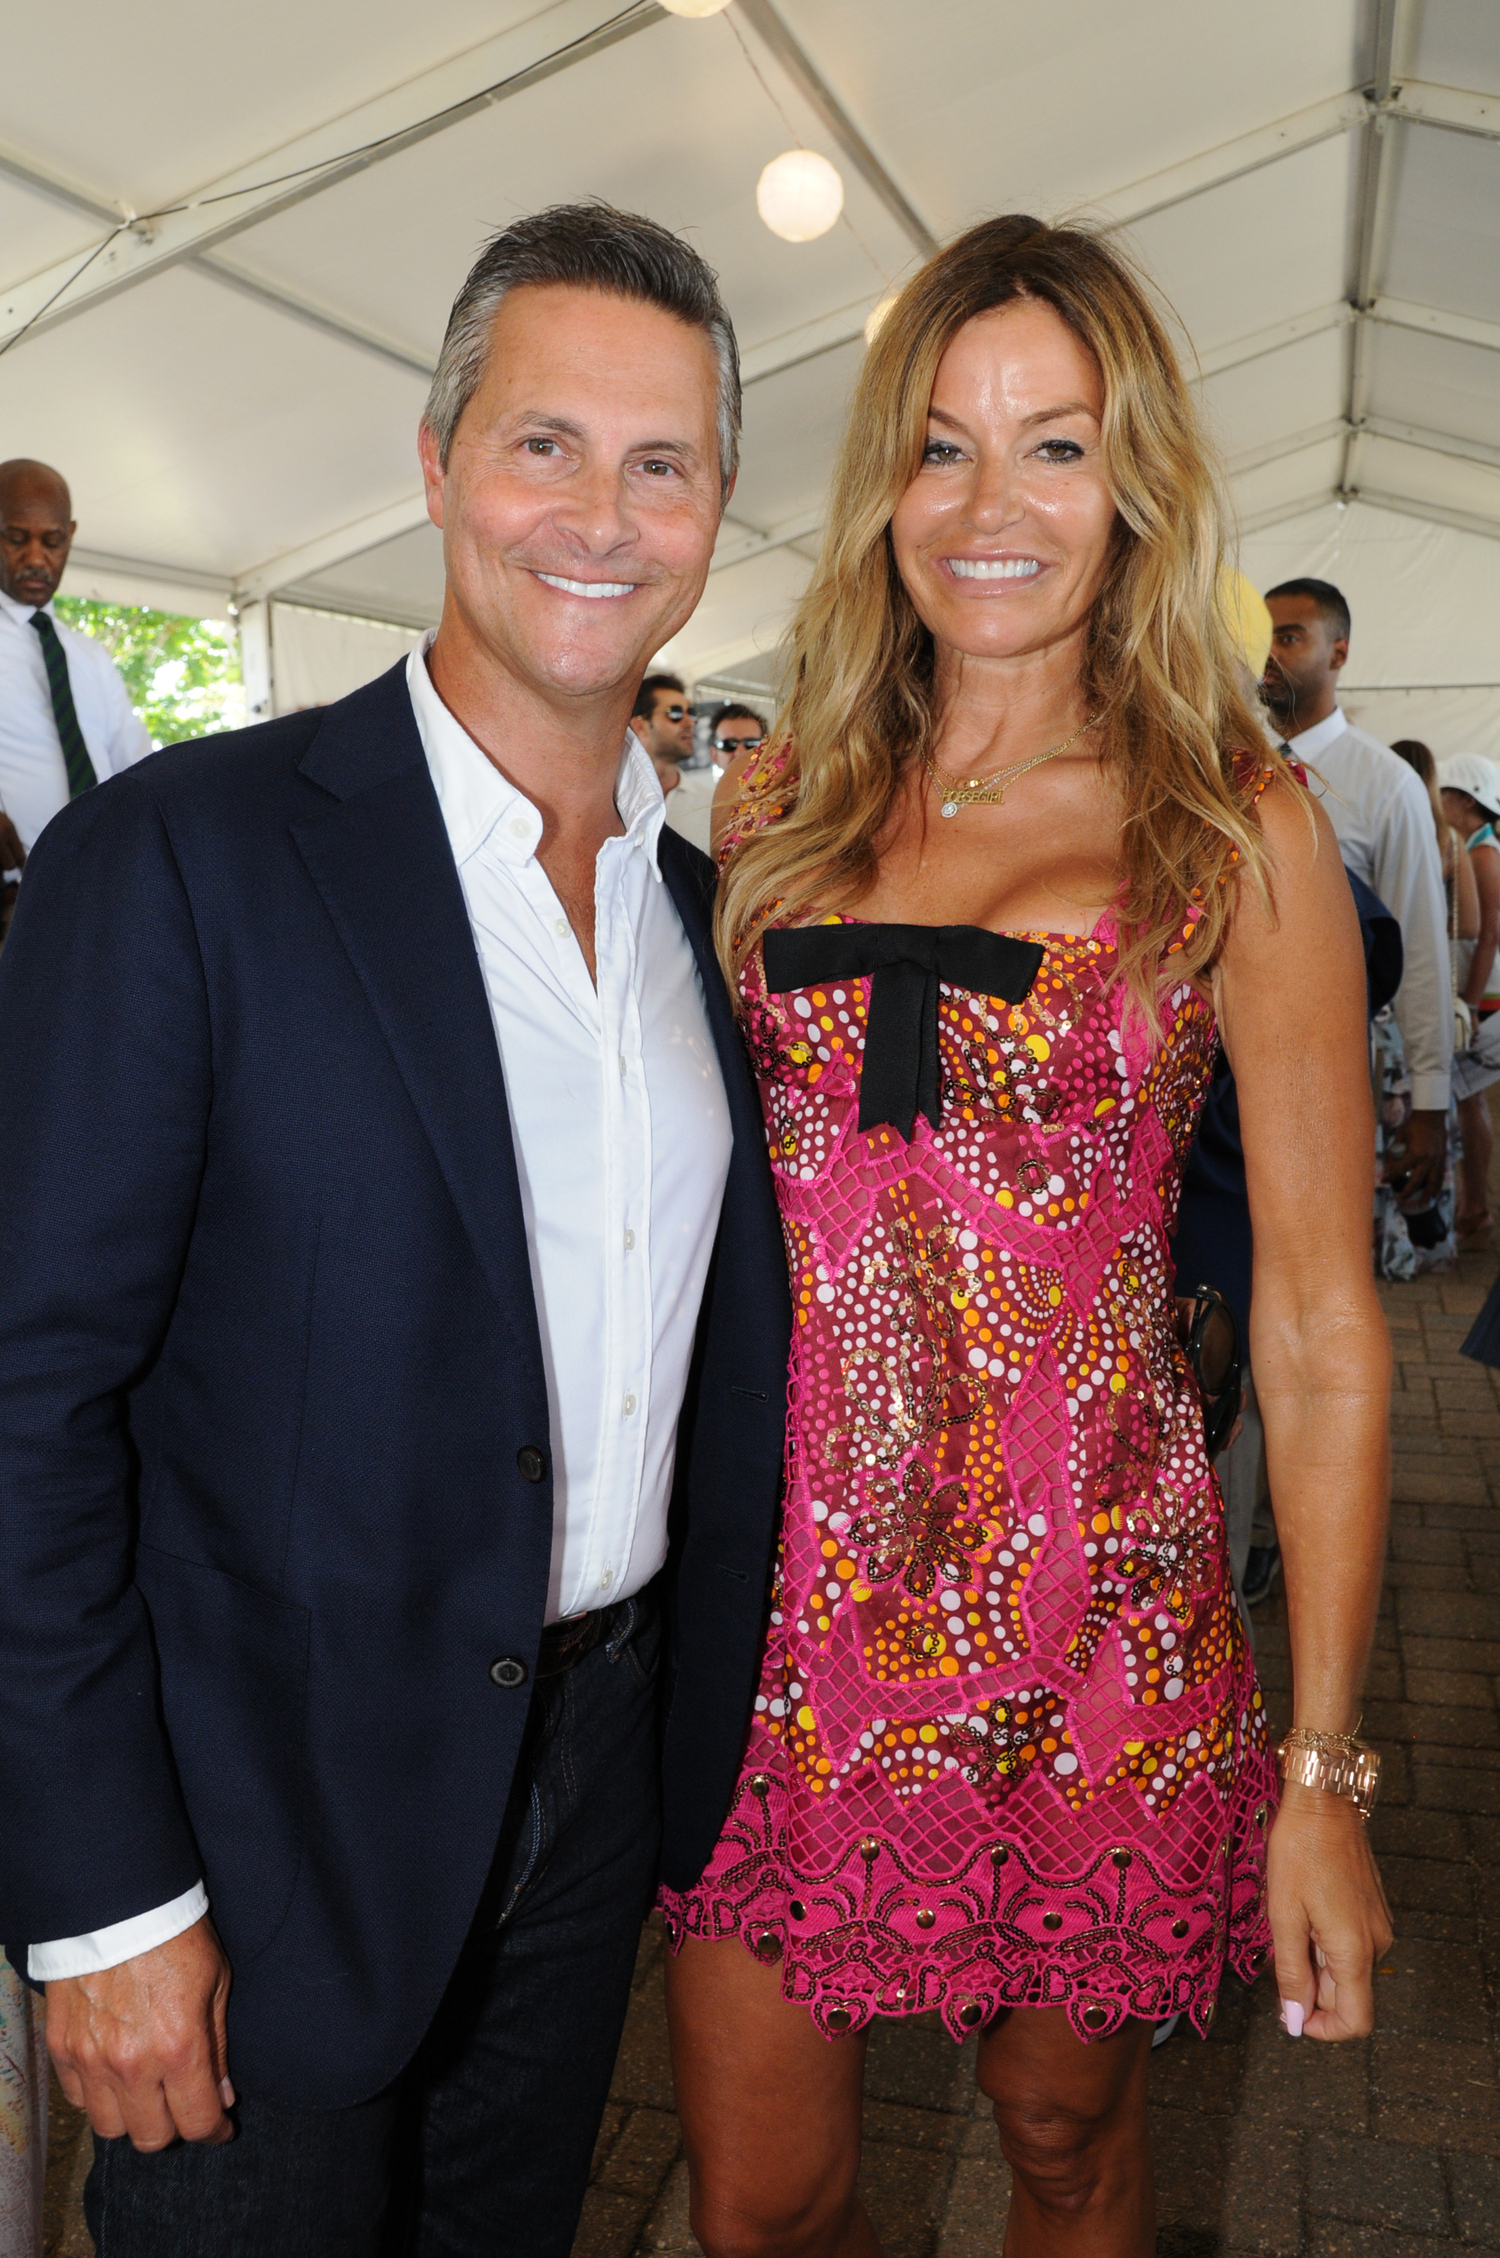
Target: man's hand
pixel 1425 1161
pixel 141 2046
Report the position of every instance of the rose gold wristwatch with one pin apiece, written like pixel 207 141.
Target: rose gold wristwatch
pixel 1335 1762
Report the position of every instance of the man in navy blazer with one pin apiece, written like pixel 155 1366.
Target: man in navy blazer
pixel 393 1329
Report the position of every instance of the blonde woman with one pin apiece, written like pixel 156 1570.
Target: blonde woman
pixel 1013 860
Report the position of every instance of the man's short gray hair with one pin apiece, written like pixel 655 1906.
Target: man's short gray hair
pixel 590 247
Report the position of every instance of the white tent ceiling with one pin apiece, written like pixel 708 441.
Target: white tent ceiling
pixel 232 382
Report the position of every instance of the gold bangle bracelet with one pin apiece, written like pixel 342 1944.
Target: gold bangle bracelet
pixel 1335 1762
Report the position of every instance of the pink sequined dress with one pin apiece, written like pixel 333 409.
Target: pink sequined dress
pixel 1007 1748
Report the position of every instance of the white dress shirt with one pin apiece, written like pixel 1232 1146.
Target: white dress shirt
pixel 33 773
pixel 1382 816
pixel 621 1135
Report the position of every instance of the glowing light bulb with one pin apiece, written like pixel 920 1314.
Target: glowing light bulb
pixel 799 195
pixel 694 7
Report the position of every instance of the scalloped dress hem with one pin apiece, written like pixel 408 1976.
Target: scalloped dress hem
pixel 1107 1973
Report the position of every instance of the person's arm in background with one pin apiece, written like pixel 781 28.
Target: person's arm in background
pixel 1321 1359
pixel 1484 862
pixel 1466 890
pixel 106 1062
pixel 12 863
pixel 1407 874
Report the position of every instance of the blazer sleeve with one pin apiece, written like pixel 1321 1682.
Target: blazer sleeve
pixel 106 1074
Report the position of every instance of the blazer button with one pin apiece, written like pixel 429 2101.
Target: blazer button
pixel 509 1671
pixel 532 1462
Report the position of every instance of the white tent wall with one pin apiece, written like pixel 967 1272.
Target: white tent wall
pixel 319 656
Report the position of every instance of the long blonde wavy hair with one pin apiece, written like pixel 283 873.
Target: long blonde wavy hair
pixel 1160 667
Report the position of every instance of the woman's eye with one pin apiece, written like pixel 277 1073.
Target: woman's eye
pixel 940 451
pixel 1060 451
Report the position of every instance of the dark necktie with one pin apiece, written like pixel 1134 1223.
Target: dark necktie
pixel 64 712
pixel 900 1078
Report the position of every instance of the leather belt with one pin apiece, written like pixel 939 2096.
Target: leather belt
pixel 569 1641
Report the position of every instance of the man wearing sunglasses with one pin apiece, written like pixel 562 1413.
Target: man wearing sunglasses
pixel 663 719
pixel 736 730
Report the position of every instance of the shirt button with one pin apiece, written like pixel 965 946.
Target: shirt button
pixel 520 828
pixel 629 1240
pixel 510 1671
pixel 624 1069
pixel 532 1462
pixel 606 1579
pixel 561 929
pixel 628 1406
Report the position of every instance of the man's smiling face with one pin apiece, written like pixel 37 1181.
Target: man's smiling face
pixel 581 495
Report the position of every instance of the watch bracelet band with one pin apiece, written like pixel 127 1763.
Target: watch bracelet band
pixel 1335 1762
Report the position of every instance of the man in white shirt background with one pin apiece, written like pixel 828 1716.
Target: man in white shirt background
pixel 1381 814
pixel 65 720
pixel 393 1351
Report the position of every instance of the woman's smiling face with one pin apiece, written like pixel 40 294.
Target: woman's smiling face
pixel 1003 538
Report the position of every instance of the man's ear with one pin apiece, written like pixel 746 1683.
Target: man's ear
pixel 432 473
pixel 1338 654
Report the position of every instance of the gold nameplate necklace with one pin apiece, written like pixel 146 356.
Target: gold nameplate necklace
pixel 989 791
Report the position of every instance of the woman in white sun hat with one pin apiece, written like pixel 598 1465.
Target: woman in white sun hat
pixel 1470 787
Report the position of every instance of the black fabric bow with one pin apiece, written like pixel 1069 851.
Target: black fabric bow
pixel 905 962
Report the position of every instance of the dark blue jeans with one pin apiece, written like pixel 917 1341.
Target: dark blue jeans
pixel 481 2148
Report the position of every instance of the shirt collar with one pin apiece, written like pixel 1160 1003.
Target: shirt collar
pixel 479 804
pixel 23 611
pixel 1310 742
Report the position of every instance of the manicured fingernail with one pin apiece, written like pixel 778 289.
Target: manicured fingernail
pixel 1291 2017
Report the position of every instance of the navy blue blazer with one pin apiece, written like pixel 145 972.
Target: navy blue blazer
pixel 270 1379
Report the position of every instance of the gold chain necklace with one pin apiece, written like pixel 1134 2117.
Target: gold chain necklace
pixel 989 791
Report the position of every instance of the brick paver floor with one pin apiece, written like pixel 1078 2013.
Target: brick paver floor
pixel 1389 2149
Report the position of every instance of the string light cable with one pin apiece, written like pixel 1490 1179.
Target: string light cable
pixel 799 143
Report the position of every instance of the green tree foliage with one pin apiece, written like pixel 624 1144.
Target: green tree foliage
pixel 182 675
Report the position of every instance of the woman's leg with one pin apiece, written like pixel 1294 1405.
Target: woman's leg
pixel 1474 1163
pixel 770 2111
pixel 1072 2123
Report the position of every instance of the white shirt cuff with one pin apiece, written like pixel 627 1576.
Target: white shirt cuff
pixel 1429 1093
pixel 122 1940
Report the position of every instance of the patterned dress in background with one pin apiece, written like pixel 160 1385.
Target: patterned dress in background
pixel 1007 1748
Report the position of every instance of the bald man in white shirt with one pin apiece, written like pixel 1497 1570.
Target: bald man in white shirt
pixel 65 718
pixel 1381 814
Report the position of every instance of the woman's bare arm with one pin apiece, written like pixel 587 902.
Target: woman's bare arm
pixel 1485 864
pixel 1467 904
pixel 1293 1016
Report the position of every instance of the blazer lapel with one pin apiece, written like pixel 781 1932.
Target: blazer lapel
pixel 382 863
